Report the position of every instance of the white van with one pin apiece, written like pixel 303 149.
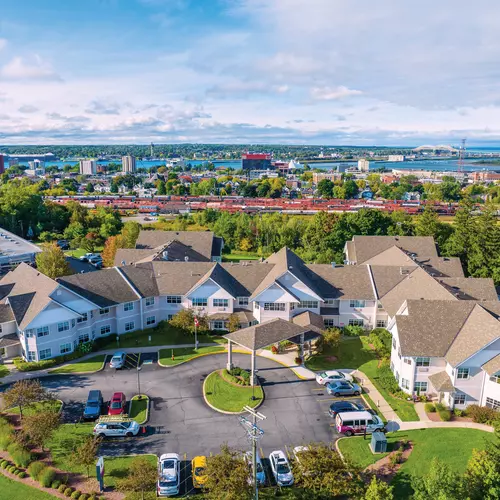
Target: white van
pixel 357 422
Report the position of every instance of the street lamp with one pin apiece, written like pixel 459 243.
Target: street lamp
pixel 253 385
pixel 139 382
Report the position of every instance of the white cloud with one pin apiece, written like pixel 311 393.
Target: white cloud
pixel 333 93
pixel 28 108
pixel 35 69
pixel 3 43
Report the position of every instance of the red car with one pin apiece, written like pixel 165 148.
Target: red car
pixel 117 404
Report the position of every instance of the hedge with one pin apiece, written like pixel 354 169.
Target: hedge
pixel 430 408
pixel 68 492
pixel 35 469
pixel 20 456
pixel 47 477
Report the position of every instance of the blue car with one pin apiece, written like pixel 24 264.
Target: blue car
pixel 339 388
pixel 261 475
pixel 93 406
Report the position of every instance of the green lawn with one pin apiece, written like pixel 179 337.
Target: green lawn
pixel 139 409
pixel 185 354
pixel 162 335
pixel 452 446
pixel 14 490
pixel 117 467
pixel 4 371
pixel 38 407
pixel 87 365
pixel 229 397
pixel 63 442
pixel 237 256
pixel 355 353
pixel 80 252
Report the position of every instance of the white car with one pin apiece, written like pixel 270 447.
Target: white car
pixel 281 468
pixel 117 427
pixel 332 376
pixel 88 256
pixel 169 475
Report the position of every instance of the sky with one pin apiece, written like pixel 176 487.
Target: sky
pixel 333 72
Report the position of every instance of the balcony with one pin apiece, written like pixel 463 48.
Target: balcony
pixel 329 311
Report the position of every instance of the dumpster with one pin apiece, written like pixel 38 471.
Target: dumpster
pixel 378 443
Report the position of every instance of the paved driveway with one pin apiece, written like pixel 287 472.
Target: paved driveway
pixel 181 422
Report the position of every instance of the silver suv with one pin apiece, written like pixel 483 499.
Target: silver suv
pixel 127 428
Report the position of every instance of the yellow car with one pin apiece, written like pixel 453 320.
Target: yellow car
pixel 198 466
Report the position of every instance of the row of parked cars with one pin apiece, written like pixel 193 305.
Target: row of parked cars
pixel 95 403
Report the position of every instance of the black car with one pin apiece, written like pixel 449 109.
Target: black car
pixel 63 244
pixel 343 406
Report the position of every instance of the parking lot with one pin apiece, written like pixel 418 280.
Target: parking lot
pixel 181 422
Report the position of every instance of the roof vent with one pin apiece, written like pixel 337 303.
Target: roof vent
pixel 402 270
pixel 186 258
pixel 333 264
pixel 123 263
pixel 165 254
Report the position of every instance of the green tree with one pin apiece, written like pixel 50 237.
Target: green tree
pixel 86 452
pixel 378 490
pixel 184 320
pixel 440 483
pixel 325 188
pixel 52 262
pixel 160 188
pixel 351 189
pixel 428 224
pixel 482 477
pixel 130 233
pixel 39 427
pixel 233 323
pixel 89 188
pixel 227 476
pixel 25 393
pixel 141 478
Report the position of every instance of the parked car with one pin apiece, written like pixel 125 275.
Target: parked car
pixel 198 467
pixel 93 406
pixel 118 428
pixel 358 422
pixel 339 388
pixel 95 258
pixel 63 244
pixel 118 360
pixel 261 475
pixel 281 468
pixel 324 378
pixel 88 256
pixel 169 475
pixel 343 406
pixel 117 404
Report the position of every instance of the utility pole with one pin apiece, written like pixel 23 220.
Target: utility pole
pixel 254 433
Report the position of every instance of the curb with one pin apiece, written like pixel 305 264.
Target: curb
pixel 147 408
pixel 190 359
pixel 51 372
pixel 338 449
pixel 223 411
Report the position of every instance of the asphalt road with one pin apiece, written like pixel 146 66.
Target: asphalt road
pixel 181 422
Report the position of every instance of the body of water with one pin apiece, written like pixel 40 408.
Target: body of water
pixel 431 165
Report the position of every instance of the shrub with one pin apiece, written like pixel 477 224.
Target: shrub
pixel 445 415
pixel 353 331
pixel 84 496
pixel 381 340
pixel 6 439
pixel 22 474
pixel 440 406
pixel 331 337
pixel 481 414
pixel 298 360
pixel 387 379
pixel 4 464
pixel 93 497
pixel 396 457
pixel 55 484
pixel 458 413
pixel 17 471
pixel 76 494
pixel 404 444
pixel 47 477
pixel 35 469
pixel 68 492
pixel 430 408
pixel 20 456
pixel 12 469
pixel 274 349
pixel 62 488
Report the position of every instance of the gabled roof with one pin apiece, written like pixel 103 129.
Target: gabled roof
pixel 441 381
pixel 471 288
pixel 367 247
pixel 222 278
pixel 248 274
pixel 492 366
pixel 444 267
pixel 310 320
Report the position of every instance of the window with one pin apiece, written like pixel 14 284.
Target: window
pixel 64 348
pixel 129 326
pixel 30 333
pixel 420 387
pixel 150 301
pixel 221 303
pixel 256 305
pixel 495 378
pixel 31 356
pixel 84 317
pixel 381 323
pixel 329 322
pixel 151 320
pixel 63 327
pixel 219 325
pixel 423 361
pixel 308 304
pixel 44 330
pixel 379 305
pixel 243 301
pixel 104 310
pixel 200 302
pixel 357 303
pixel 274 306
pixel 356 322
pixel 84 337
pixel 169 317
pixel 45 353
pixel 292 306
pixel 459 399
pixel 174 299
pixel 490 403
pixel 128 306
pixel 0 328
pixel 463 373
pixel 331 302
pixel 407 361
pixel 405 383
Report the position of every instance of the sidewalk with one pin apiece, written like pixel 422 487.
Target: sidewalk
pixel 288 359
pixel 407 426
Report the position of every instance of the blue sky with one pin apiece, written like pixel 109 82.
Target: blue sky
pixel 249 71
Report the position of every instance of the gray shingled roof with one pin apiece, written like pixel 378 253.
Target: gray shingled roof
pixel 9 340
pixel 177 278
pixel 243 315
pixel 441 381
pixel 492 366
pixel 104 288
pixel 249 275
pixel 142 278
pixel 366 247
pixel 264 334
pixel 310 320
pixel 200 241
pixel 471 288
pixel 6 313
pixel 442 266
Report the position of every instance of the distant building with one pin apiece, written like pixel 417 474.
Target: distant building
pixel 363 165
pixel 396 158
pixel 14 250
pixel 88 167
pixel 256 161
pixel 485 176
pixel 2 164
pixel 128 164
pixel 331 176
pixel 37 167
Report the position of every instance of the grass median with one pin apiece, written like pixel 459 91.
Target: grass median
pixel 92 364
pixel 226 396
pixel 15 490
pixel 139 408
pixel 184 354
pixel 35 408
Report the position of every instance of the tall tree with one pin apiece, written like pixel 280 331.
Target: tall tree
pixel 109 251
pixel 85 454
pixel 482 477
pixel 52 261
pixel 25 393
pixel 440 483
pixel 38 428
pixel 378 490
pixel 141 478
